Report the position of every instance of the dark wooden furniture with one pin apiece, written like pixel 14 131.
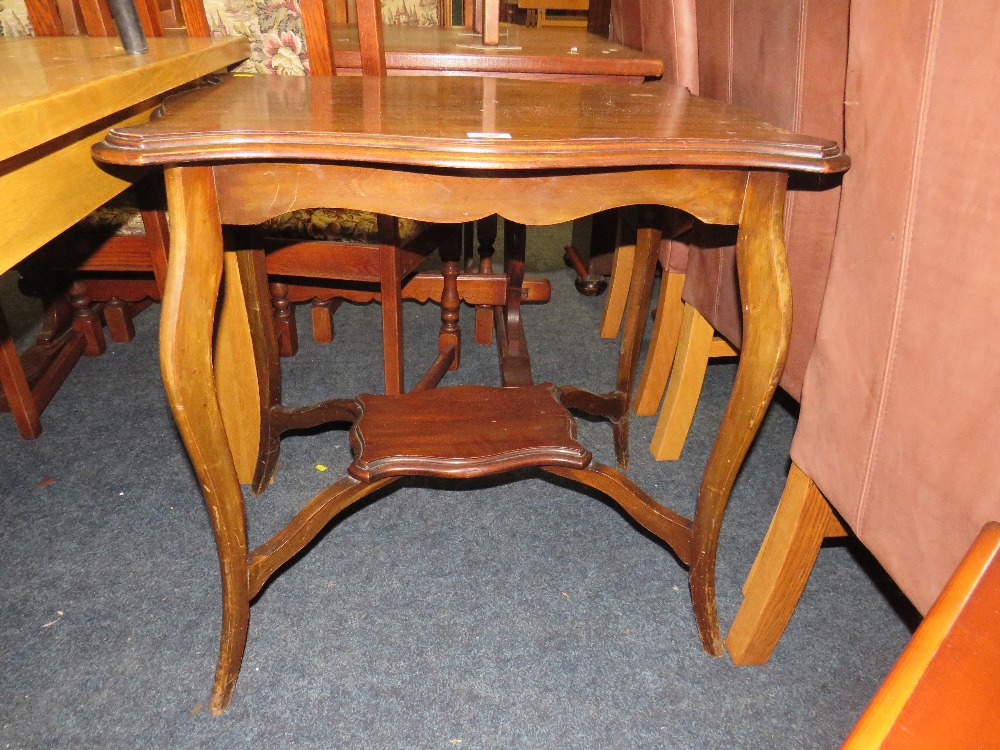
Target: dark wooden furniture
pixel 553 151
pixel 59 97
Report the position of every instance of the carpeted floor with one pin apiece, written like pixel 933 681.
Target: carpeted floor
pixel 494 614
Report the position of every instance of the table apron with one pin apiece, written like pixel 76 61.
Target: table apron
pixel 253 192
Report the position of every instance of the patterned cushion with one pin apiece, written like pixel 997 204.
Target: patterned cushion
pixel 276 34
pixel 120 215
pixel 275 31
pixel 336 224
pixel 327 224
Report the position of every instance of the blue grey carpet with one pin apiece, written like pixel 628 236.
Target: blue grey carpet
pixel 491 614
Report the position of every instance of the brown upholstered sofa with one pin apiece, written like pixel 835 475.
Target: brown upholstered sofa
pixel 900 405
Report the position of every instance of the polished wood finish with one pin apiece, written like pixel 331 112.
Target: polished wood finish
pixel 522 53
pixel 943 691
pixel 568 150
pixel 801 522
pixel 431 434
pixel 57 85
pixel 566 126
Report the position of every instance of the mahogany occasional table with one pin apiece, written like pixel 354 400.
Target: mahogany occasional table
pixel 552 152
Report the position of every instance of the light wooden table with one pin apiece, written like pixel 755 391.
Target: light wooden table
pixel 534 152
pixel 58 97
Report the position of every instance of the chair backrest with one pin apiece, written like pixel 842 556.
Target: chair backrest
pixel 289 38
pixel 370 38
pixel 97 20
pixel 900 407
pixel 71 18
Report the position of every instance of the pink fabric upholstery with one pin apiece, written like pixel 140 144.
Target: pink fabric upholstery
pixel 787 60
pixel 901 403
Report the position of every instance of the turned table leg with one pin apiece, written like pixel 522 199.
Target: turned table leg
pixel 186 329
pixel 767 319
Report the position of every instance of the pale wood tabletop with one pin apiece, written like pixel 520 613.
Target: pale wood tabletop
pixel 58 97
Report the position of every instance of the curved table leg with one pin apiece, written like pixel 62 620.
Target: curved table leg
pixel 767 319
pixel 187 322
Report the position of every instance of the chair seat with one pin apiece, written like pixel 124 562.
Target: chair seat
pixel 124 220
pixel 463 432
pixel 325 224
pixel 337 225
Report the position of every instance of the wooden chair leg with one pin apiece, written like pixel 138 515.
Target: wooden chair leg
pixel 614 305
pixel 321 312
pixel 801 522
pixel 118 316
pixel 663 345
pixel 15 386
pixel 486 230
pixel 87 321
pixel 391 284
pixel 686 378
pixel 285 329
pixel 636 315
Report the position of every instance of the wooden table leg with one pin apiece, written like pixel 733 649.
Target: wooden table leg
pixel 186 330
pixel 767 319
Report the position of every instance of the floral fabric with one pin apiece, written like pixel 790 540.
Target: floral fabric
pixel 14 21
pixel 120 214
pixel 274 28
pixel 336 224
